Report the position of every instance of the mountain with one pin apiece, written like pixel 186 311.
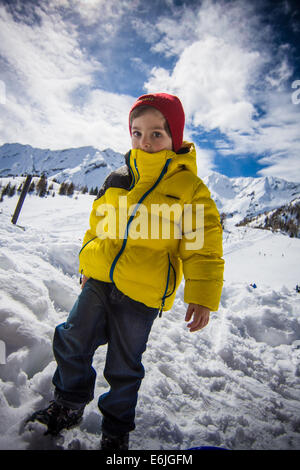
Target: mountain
pixel 247 196
pixel 84 166
pixel 285 219
pixel 238 198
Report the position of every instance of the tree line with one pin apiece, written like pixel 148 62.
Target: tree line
pixel 42 189
pixel 285 219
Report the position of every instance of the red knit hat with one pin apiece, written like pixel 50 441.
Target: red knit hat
pixel 171 108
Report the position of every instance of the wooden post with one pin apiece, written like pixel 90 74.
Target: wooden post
pixel 21 199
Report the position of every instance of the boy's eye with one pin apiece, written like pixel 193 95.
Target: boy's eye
pixel 157 134
pixel 136 133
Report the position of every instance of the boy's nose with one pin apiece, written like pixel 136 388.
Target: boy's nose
pixel 145 143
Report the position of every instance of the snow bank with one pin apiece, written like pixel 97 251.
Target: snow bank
pixel 234 384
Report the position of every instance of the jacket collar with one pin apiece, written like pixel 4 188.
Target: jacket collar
pixel 146 167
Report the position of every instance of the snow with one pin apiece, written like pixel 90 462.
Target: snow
pixel 262 257
pixel 248 196
pixel 236 383
pixel 83 166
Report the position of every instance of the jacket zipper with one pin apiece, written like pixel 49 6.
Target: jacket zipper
pixel 81 272
pixel 167 286
pixel 111 273
pixel 164 170
pixel 132 174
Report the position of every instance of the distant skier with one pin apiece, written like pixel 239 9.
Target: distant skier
pixel 253 285
pixel 128 281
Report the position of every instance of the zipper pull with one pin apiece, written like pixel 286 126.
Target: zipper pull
pixel 161 308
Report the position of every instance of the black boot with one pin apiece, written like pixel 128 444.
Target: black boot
pixel 115 442
pixel 57 417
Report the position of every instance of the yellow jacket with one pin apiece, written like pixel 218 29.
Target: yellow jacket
pixel 140 229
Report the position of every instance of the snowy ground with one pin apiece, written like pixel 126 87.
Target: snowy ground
pixel 234 384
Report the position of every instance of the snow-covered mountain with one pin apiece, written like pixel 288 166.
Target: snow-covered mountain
pixel 247 197
pixel 84 166
pixel 87 166
pixel 285 219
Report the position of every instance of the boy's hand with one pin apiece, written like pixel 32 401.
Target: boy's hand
pixel 83 281
pixel 201 317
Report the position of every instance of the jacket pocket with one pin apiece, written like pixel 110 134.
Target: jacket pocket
pixel 86 245
pixel 171 271
pixel 171 280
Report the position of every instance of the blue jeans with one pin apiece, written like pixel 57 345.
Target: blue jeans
pixel 103 315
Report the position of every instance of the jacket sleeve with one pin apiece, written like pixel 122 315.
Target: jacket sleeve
pixel 90 234
pixel 201 255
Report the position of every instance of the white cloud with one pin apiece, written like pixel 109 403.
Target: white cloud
pixel 275 140
pixel 104 14
pixel 227 67
pixel 145 30
pixel 281 71
pixel 217 18
pixel 215 66
pixel 45 70
pixel 279 133
pixel 226 70
pixel 205 158
pixel 139 64
pixel 214 91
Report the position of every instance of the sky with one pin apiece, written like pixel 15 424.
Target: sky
pixel 71 69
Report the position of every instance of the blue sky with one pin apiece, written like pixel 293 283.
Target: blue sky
pixel 71 69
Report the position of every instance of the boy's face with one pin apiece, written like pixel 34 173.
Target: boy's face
pixel 148 132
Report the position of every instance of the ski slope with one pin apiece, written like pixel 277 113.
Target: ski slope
pixel 234 384
pixel 260 256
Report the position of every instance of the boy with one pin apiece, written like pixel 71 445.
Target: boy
pixel 129 276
